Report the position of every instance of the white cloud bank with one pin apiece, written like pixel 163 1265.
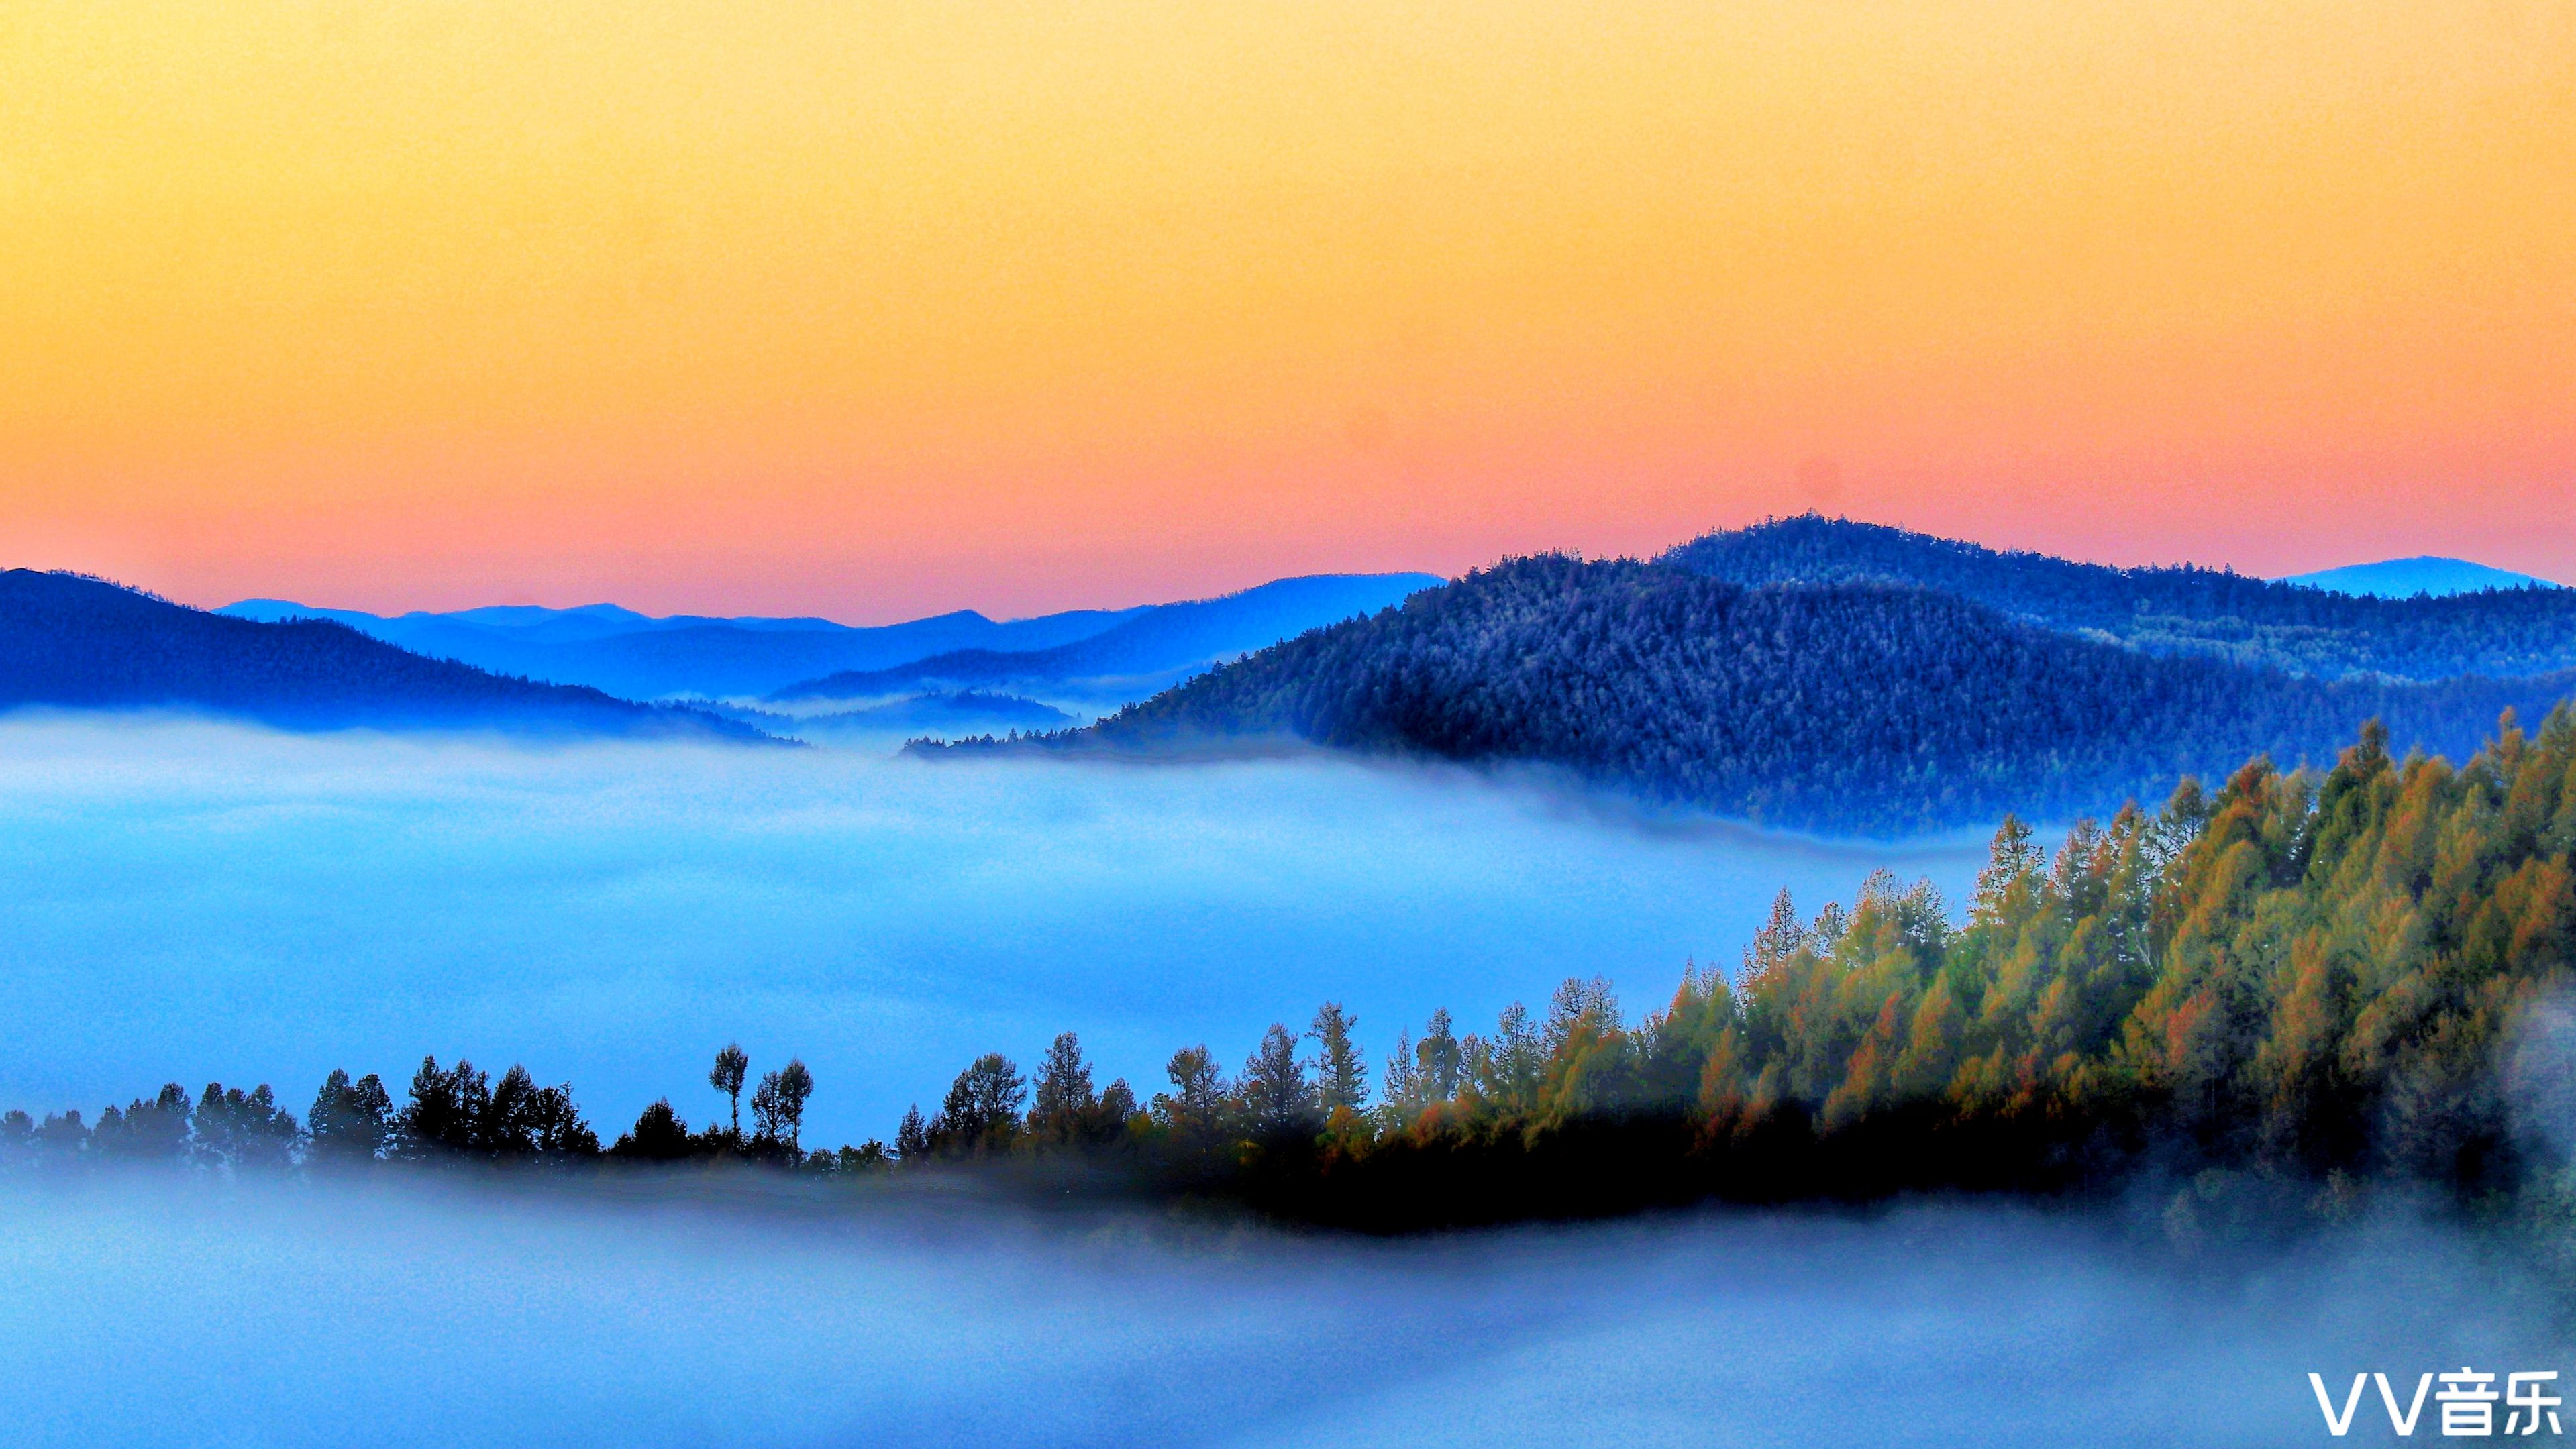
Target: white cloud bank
pixel 159 1311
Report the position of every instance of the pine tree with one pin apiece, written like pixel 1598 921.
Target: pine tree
pixel 1341 1073
pixel 1064 1105
pixel 350 1121
pixel 912 1137
pixel 1278 1101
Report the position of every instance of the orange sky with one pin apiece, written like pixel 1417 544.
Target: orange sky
pixel 875 309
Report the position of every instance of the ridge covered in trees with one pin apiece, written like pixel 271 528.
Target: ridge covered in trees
pixel 1842 707
pixel 2319 981
pixel 2182 610
pixel 82 643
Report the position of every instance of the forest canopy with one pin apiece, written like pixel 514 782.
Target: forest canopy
pixel 2214 613
pixel 1852 707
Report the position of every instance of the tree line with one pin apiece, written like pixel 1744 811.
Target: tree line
pixel 2318 978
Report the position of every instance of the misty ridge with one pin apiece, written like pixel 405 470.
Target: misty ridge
pixel 1820 674
pixel 1803 673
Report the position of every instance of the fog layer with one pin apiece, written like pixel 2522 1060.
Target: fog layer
pixel 161 1310
pixel 194 902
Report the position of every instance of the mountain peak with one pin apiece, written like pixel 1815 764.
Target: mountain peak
pixel 2404 578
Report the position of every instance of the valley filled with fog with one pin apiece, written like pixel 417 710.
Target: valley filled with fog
pixel 198 902
pixel 195 902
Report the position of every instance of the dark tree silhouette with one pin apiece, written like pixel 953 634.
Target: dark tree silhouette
pixel 446 1111
pixel 659 1135
pixel 1064 1109
pixel 912 1138
pixel 727 1075
pixel 1278 1101
pixel 778 1108
pixel 982 1109
pixel 157 1130
pixel 1196 1109
pixel 241 1129
pixel 350 1121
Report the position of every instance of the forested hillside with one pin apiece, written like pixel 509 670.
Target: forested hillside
pixel 2168 610
pixel 1838 707
pixel 83 643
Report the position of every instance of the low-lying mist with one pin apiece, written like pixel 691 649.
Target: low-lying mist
pixel 164 1309
pixel 196 902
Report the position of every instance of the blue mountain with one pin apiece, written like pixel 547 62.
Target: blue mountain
pixel 1140 654
pixel 638 656
pixel 2185 610
pixel 2405 578
pixel 1866 706
pixel 72 642
pixel 642 657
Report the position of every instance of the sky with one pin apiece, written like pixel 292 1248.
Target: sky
pixel 873 310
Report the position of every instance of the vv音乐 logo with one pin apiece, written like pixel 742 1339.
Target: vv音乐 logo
pixel 2467 1403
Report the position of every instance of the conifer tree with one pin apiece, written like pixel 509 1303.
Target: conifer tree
pixel 1341 1073
pixel 1278 1101
pixel 1064 1105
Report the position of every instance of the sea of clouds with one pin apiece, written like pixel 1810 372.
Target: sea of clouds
pixel 196 902
pixel 154 1310
pixel 191 901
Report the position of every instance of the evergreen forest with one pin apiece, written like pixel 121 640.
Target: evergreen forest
pixel 1854 707
pixel 2170 610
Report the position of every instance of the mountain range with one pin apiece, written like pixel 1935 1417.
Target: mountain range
pixel 80 643
pixel 1144 652
pixel 2176 610
pixel 688 656
pixel 1806 672
pixel 1842 677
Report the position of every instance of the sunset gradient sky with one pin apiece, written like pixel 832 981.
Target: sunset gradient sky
pixel 878 309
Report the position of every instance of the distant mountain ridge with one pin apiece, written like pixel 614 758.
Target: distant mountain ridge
pixel 636 656
pixel 633 655
pixel 2404 578
pixel 1852 706
pixel 1155 644
pixel 2177 610
pixel 73 642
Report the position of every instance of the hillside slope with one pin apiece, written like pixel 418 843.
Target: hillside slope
pixel 2186 610
pixel 82 643
pixel 1839 707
